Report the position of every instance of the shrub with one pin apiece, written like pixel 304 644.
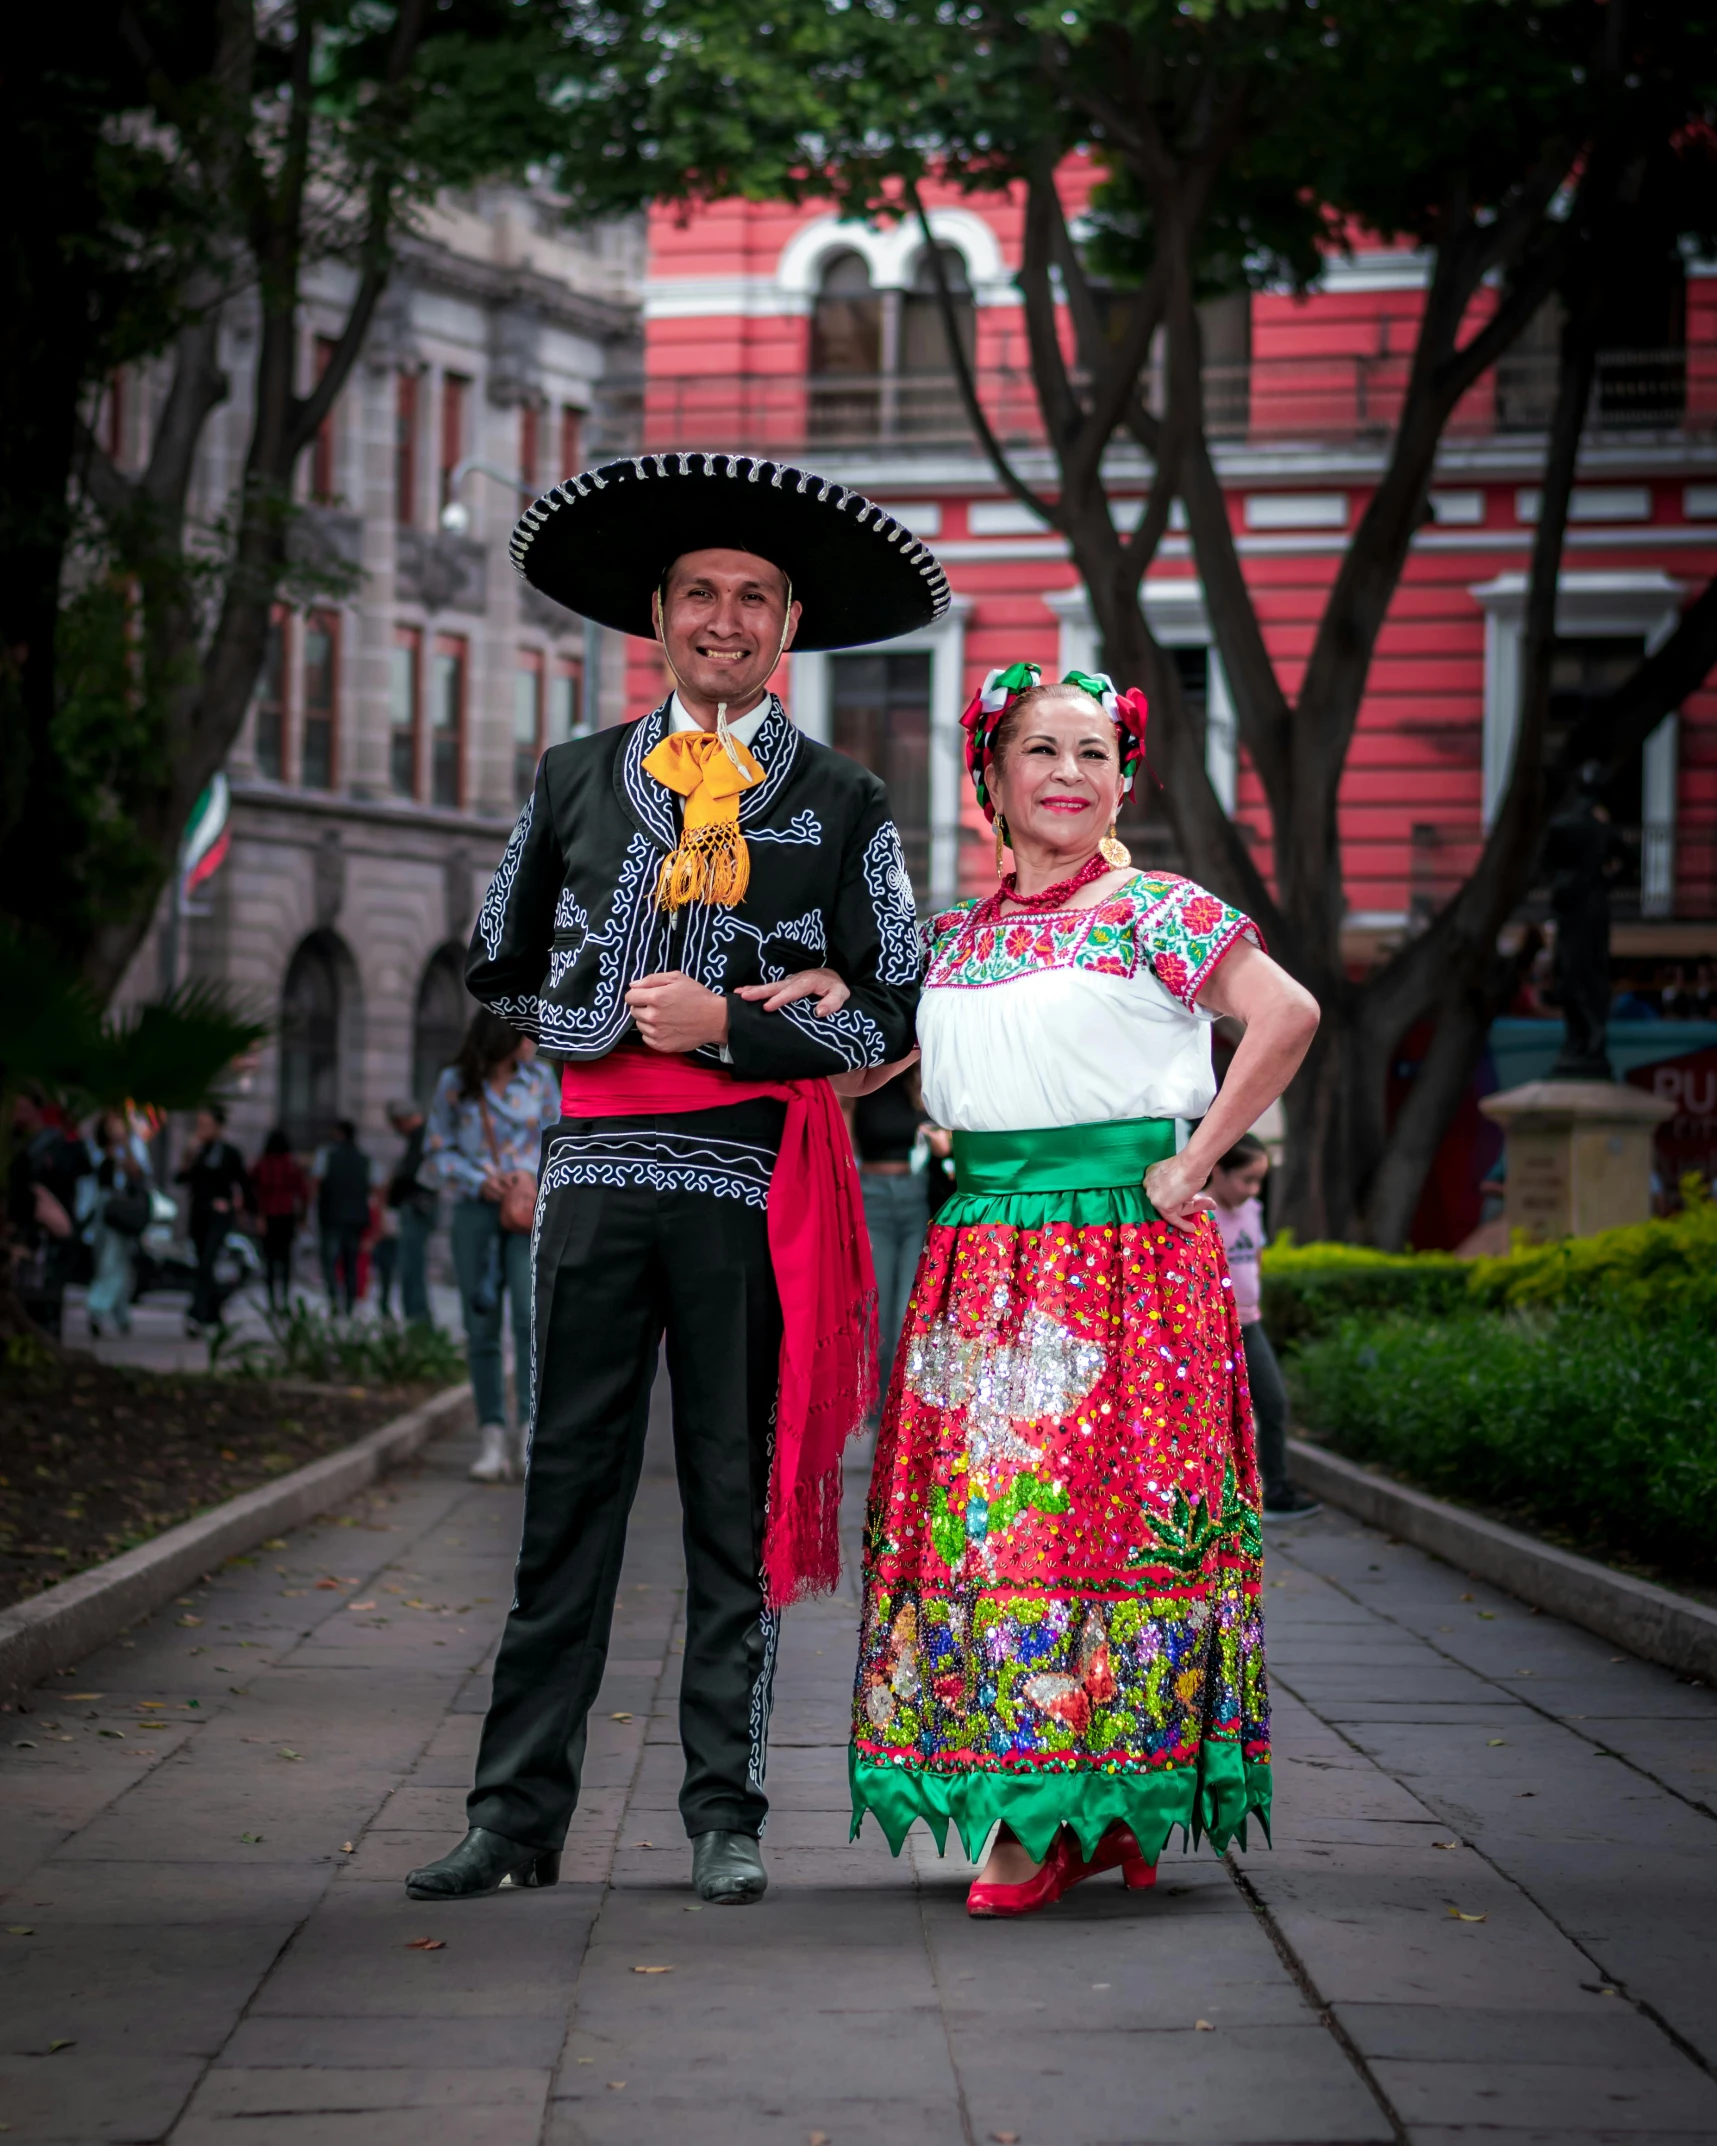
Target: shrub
pixel 305 1343
pixel 1653 1270
pixel 1583 1420
pixel 1308 1287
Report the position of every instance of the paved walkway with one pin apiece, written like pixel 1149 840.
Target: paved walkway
pixel 1488 1914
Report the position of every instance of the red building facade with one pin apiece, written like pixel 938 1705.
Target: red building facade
pixel 784 331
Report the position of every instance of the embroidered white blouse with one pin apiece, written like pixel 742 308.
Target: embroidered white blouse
pixel 1077 1017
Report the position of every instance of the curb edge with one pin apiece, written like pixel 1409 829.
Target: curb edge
pixel 1650 1621
pixel 68 1621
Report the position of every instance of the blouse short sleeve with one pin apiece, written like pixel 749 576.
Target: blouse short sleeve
pixel 1184 933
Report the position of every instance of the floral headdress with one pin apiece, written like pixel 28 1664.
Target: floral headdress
pixel 990 704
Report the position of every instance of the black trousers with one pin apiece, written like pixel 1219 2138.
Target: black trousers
pixel 1269 1411
pixel 645 1227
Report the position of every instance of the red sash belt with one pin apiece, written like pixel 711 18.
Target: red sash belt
pixel 820 1252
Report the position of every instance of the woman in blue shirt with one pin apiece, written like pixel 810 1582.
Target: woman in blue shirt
pixel 485 1131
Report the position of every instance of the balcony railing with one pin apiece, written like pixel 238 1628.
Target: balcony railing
pixel 1268 403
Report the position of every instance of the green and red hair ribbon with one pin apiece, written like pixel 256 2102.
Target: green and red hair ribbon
pixel 990 704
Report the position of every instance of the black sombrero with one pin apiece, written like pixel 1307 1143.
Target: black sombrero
pixel 600 544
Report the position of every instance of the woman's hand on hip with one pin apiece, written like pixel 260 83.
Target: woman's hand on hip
pixel 868 1079
pixel 827 986
pixel 1176 1190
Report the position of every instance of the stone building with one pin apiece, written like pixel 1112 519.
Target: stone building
pixel 394 734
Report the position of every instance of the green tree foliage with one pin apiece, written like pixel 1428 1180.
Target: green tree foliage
pixel 1534 150
pixel 169 166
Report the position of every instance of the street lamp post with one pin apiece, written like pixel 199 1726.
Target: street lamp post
pixel 456 515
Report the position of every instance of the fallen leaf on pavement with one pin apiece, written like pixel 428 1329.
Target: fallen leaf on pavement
pixel 615 2085
pixel 286 1754
pixel 652 1970
pixel 275 1542
pixel 1445 1844
pixel 348 1847
pixel 1458 1916
pixel 19 1929
pixel 426 1944
pixel 64 2042
pixel 23 1743
pixel 1202 2026
pixel 1005 2138
pixel 190 1620
pixel 86 1695
pixel 110 1732
pixel 360 1605
pixel 153 1705
pixel 818 2138
pixel 250 1839
pixel 620 1717
pixel 1494 1741
pixel 1489 1616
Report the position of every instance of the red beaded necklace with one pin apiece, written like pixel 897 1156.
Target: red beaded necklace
pixel 1057 897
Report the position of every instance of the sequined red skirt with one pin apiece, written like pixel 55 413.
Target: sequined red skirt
pixel 1062 1619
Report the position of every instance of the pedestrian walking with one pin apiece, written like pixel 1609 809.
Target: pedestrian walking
pixel 219 1188
pixel 122 1214
pixel 893 1155
pixel 1237 1185
pixel 704 913
pixel 342 1216
pixel 282 1190
pixel 1062 1643
pixel 484 1144
pixel 418 1211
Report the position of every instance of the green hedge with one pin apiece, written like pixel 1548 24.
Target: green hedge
pixel 1654 1270
pixel 1587 1421
pixel 1308 1287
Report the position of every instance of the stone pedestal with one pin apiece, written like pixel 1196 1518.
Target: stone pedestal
pixel 1579 1154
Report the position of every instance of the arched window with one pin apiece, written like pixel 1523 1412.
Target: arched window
pixel 846 352
pixel 846 328
pixel 923 339
pixel 310 1032
pixel 443 1009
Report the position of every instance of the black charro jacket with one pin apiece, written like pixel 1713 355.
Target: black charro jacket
pixel 570 920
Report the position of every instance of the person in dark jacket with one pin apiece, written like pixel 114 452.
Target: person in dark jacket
pixel 219 1188
pixel 703 914
pixel 418 1209
pixel 43 1174
pixel 343 1215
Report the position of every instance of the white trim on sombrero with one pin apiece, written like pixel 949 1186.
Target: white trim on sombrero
pixel 751 469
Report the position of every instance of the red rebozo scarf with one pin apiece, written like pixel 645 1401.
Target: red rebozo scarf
pixel 820 1251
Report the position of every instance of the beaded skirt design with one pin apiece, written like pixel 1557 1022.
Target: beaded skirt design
pixel 1062 1620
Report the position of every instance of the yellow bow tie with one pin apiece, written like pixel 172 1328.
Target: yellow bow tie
pixel 712 773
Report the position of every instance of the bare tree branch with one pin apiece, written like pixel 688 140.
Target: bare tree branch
pixel 976 416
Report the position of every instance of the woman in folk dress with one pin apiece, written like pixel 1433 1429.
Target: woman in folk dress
pixel 1062 1643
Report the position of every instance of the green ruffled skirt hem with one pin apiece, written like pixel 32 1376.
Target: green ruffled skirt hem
pixel 1211 1800
pixel 1110 1204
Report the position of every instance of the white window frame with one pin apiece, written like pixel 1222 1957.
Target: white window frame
pixel 1587 606
pixel 1175 612
pixel 945 644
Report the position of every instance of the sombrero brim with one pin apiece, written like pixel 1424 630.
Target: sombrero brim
pixel 601 542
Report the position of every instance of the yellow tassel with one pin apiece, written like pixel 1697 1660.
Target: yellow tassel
pixel 712 864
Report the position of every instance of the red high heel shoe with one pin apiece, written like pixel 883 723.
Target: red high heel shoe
pixel 1042 1889
pixel 1119 1846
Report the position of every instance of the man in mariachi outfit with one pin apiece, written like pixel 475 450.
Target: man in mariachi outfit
pixel 704 914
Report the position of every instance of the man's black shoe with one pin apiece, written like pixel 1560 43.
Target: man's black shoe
pixel 482 1863
pixel 1293 1504
pixel 727 1869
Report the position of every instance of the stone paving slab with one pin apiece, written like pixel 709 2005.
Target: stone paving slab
pixel 1439 1748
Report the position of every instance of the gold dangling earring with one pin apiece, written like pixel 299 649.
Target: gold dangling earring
pixel 1001 842
pixel 1113 851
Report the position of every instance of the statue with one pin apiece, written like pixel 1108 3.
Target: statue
pixel 1583 852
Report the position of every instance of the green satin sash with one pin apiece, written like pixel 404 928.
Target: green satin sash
pixel 1082 1174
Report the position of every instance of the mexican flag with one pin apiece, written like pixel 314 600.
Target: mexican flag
pixel 207 835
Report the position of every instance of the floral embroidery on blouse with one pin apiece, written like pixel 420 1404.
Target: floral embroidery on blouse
pixel 1158 921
